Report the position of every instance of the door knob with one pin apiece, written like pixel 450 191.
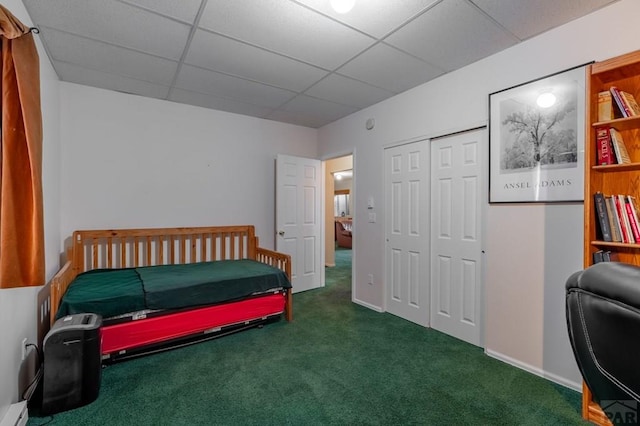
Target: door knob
pixel 281 233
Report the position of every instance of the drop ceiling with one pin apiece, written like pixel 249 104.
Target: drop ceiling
pixel 295 61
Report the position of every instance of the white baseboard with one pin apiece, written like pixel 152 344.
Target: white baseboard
pixel 16 415
pixel 367 305
pixel 535 370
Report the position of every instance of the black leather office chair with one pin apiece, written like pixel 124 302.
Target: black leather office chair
pixel 603 318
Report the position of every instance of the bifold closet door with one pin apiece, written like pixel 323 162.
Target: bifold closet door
pixel 458 194
pixel 407 231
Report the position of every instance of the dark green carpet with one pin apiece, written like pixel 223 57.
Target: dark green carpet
pixel 336 363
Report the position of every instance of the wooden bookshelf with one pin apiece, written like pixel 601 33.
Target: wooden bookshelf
pixel 624 72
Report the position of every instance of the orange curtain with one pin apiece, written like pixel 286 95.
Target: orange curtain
pixel 21 216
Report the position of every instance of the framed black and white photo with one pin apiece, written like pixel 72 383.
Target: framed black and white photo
pixel 536 140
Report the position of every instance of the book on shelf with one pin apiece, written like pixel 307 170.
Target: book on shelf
pixel 633 216
pixel 598 256
pixel 624 220
pixel 605 107
pixel 630 103
pixel 619 148
pixel 614 223
pixel 619 102
pixel 617 217
pixel 604 147
pixel 603 218
pixel 605 256
pixel 624 229
pixel 610 256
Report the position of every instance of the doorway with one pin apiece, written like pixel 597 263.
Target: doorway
pixel 339 213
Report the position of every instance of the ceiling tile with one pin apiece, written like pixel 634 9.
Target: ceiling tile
pixel 287 28
pixel 94 55
pixel 184 10
pixel 214 102
pixel 324 111
pixel 374 17
pixel 347 91
pixel 222 54
pixel 298 119
pixel 113 22
pixel 388 68
pixel 213 83
pixel 75 74
pixel 532 17
pixel 452 34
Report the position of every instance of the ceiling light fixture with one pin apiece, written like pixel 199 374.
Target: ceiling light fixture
pixel 342 6
pixel 338 176
pixel 546 99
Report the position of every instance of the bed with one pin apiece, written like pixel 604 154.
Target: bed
pixel 159 288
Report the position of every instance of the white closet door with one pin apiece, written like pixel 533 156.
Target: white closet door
pixel 457 198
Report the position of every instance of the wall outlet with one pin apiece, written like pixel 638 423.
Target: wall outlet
pixel 370 279
pixel 24 348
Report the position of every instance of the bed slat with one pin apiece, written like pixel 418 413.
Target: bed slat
pixel 109 253
pixel 160 251
pixel 148 251
pixel 172 246
pixel 232 250
pixel 123 253
pixel 94 253
pixel 182 249
pixel 136 252
pixel 223 246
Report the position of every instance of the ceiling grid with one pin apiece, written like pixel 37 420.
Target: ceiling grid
pixel 295 61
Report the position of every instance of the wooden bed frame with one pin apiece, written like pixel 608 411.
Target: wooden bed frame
pixel 128 248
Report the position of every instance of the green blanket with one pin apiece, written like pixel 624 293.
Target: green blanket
pixel 109 292
pixel 177 286
pixel 112 292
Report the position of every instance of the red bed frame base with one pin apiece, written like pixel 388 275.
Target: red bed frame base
pixel 149 335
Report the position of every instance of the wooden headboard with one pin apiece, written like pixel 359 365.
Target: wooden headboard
pixel 130 248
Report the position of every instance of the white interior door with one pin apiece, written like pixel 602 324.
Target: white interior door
pixel 407 231
pixel 457 197
pixel 298 218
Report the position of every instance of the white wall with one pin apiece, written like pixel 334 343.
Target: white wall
pixel 18 306
pixel 530 249
pixel 133 162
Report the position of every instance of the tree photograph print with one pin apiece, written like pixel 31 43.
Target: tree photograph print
pixel 537 140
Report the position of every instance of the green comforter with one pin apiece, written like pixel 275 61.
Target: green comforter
pixel 113 292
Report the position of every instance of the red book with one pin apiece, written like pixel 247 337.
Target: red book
pixel 620 209
pixel 620 102
pixel 603 147
pixel 633 217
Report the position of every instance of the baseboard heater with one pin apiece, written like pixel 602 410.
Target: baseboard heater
pixel 16 415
